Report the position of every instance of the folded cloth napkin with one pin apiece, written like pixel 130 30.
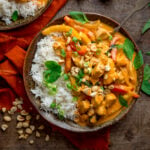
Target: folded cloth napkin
pixel 12 54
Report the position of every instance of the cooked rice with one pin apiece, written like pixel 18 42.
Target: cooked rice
pixel 24 9
pixel 63 97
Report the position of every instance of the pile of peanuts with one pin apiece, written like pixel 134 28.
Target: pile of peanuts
pixel 26 124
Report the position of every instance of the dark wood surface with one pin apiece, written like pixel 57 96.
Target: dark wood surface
pixel 131 133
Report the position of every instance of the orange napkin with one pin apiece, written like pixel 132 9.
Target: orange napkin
pixel 12 54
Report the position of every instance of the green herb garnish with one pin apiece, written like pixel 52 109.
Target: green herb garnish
pixel 79 77
pixel 53 71
pixel 79 16
pixel 81 73
pixel 128 48
pixel 69 86
pixel 63 53
pixel 69 32
pixel 110 37
pixel 146 27
pixel 60 114
pixel 86 64
pixel 66 77
pixel 52 88
pixel 76 53
pixel 75 99
pixel 102 88
pixel 53 105
pixel 119 46
pixel 72 87
pixel 75 40
pixel 89 70
pixel 14 16
pixel 89 84
pixel 122 101
pixel 138 61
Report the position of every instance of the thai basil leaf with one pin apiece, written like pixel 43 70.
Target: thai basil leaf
pixel 63 53
pixel 146 87
pixel 138 61
pixel 14 16
pixel 147 72
pixel 53 71
pixel 146 27
pixel 122 101
pixel 128 48
pixel 79 16
pixel 53 105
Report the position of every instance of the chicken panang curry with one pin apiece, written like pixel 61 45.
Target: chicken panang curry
pixel 98 71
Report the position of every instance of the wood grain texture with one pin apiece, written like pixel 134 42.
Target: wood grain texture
pixel 131 133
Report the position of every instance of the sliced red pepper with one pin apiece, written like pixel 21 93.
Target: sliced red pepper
pixel 72 45
pixel 119 89
pixel 114 54
pixel 135 95
pixel 81 51
pixel 114 40
pixel 114 50
pixel 68 59
pixel 68 20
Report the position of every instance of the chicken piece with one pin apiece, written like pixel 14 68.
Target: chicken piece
pixel 78 61
pixel 93 119
pixel 98 70
pixel 84 106
pixel 101 110
pixel 121 59
pixel 110 99
pixel 84 118
pixel 91 112
pixel 97 100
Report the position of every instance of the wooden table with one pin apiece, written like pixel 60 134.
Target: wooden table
pixel 133 132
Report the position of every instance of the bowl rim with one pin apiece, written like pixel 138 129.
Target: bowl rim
pixel 106 124
pixel 25 21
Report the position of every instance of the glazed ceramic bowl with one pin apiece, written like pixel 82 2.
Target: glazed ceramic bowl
pixel 21 21
pixel 29 83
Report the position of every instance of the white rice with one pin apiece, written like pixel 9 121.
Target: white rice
pixel 63 97
pixel 24 9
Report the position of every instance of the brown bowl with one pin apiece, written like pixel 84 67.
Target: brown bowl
pixel 29 83
pixel 21 21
